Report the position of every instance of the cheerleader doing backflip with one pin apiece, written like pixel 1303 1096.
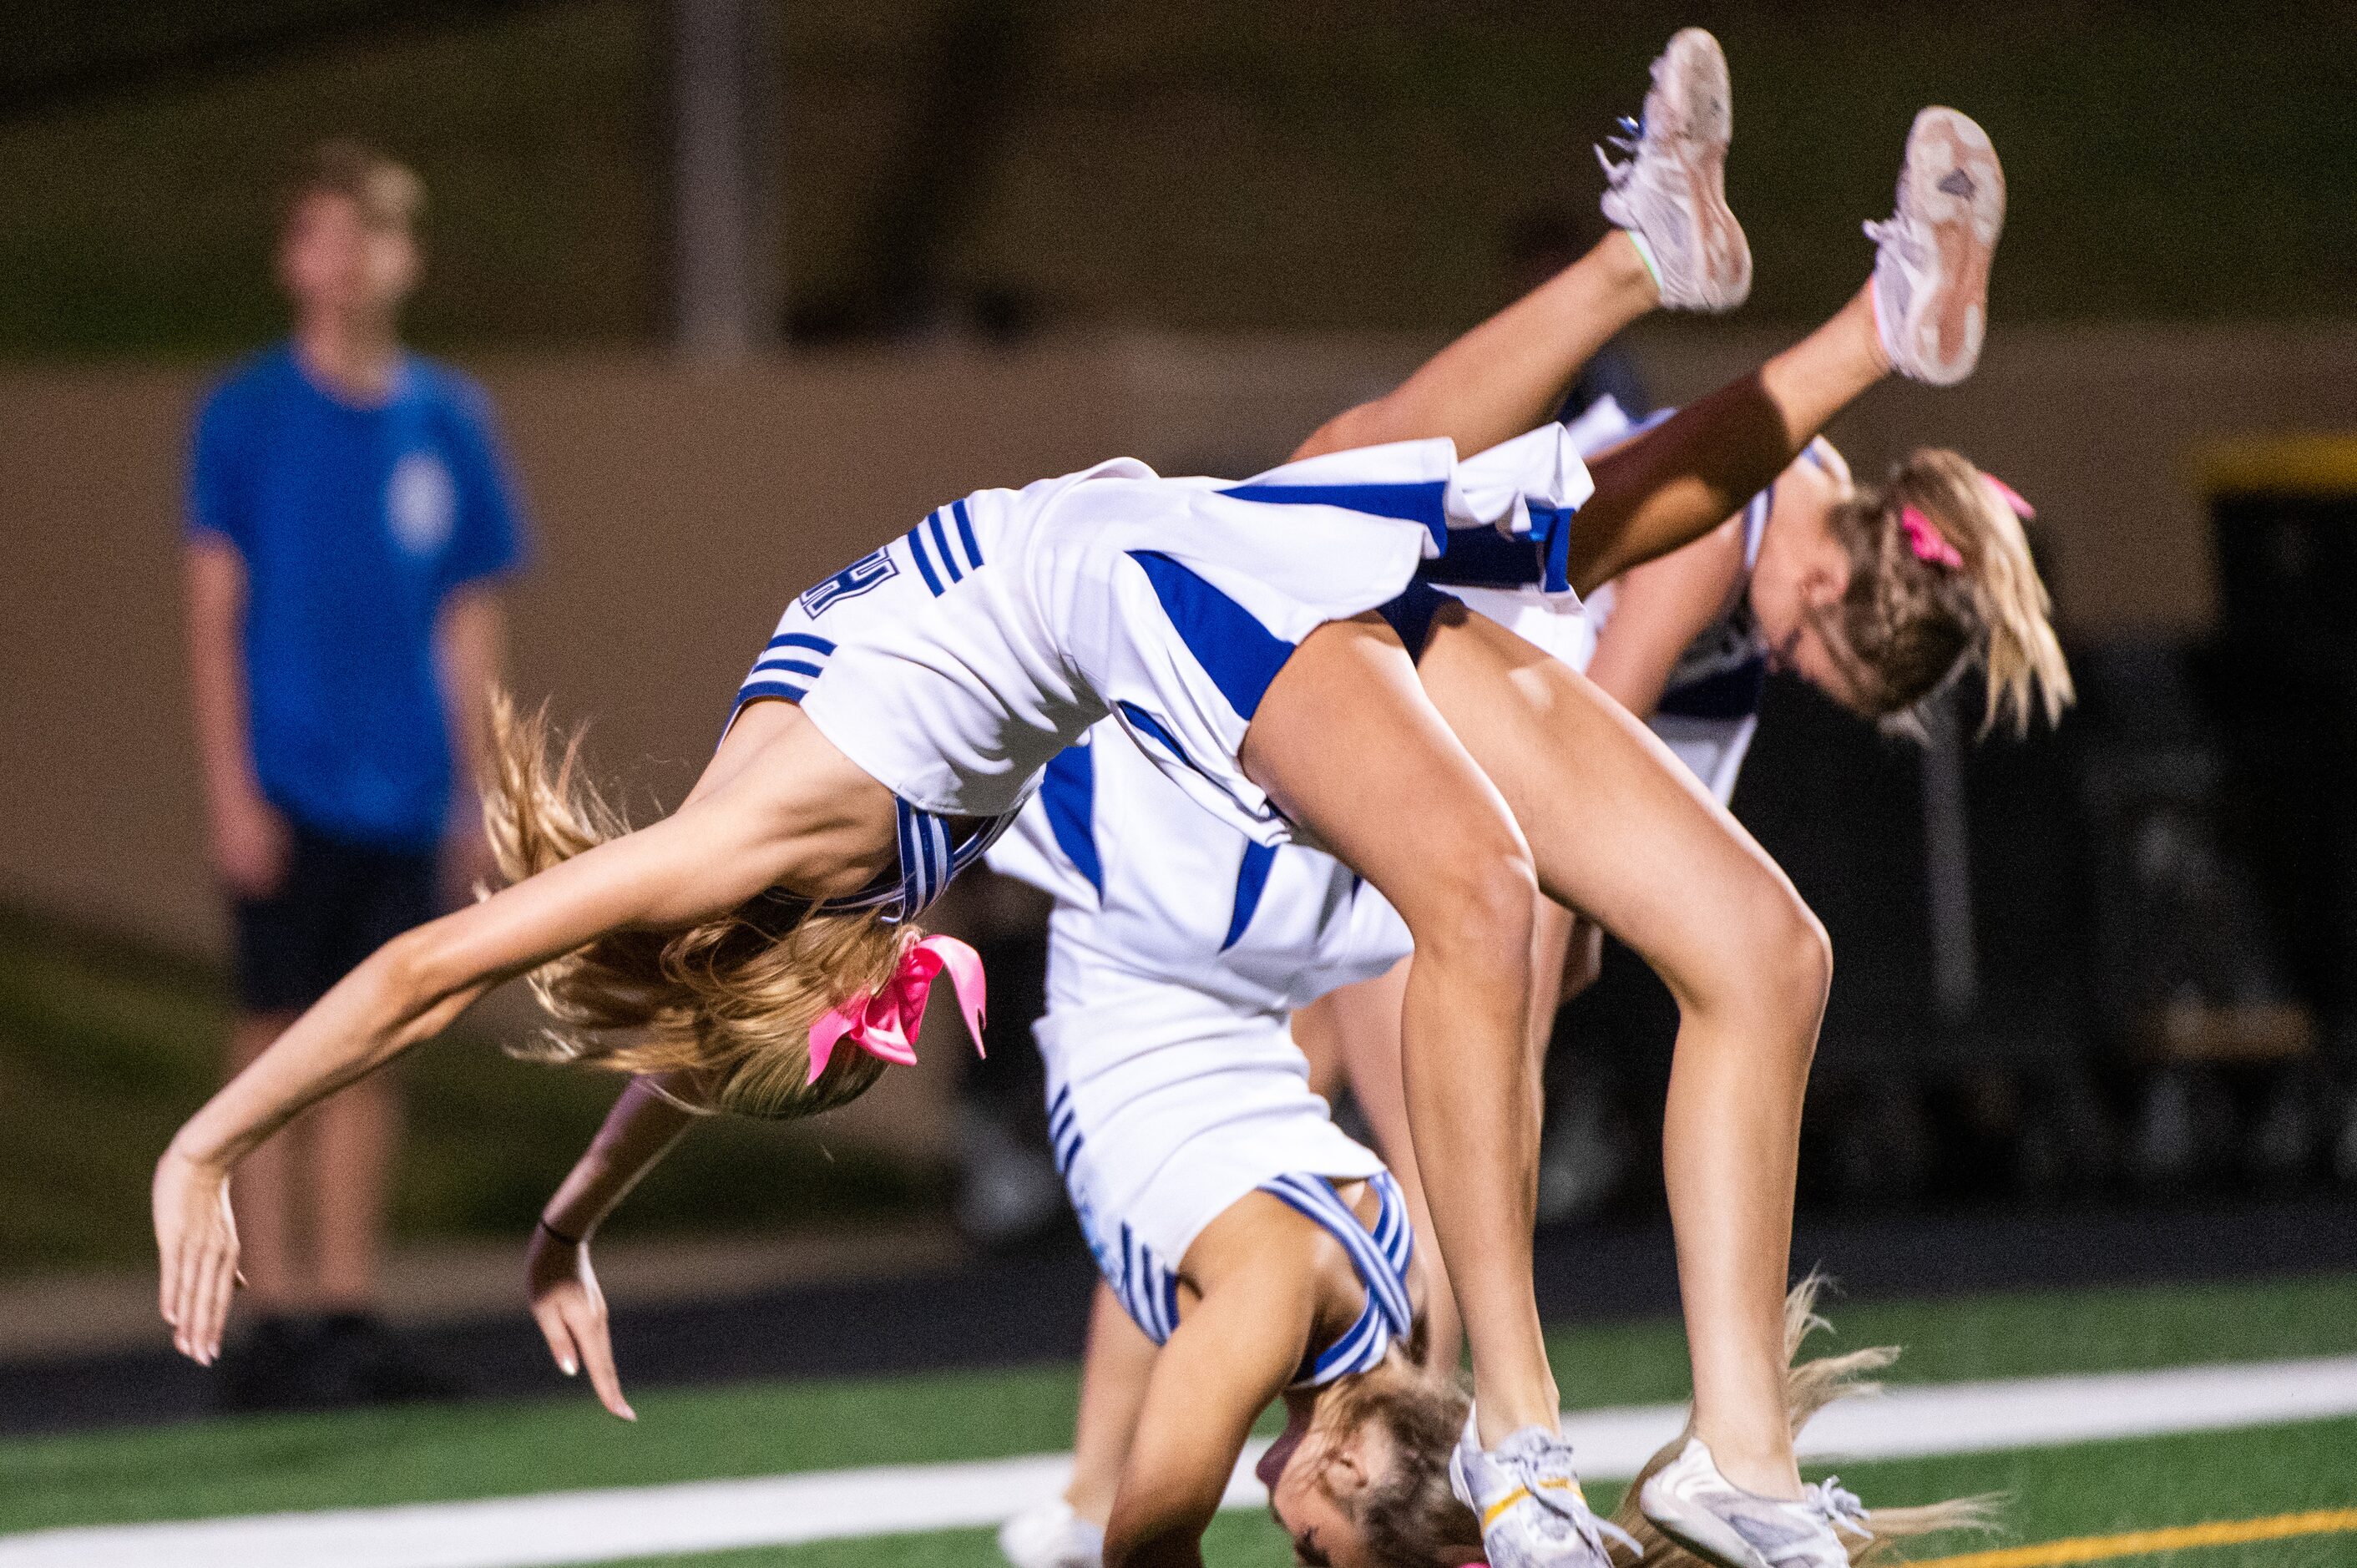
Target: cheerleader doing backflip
pixel 1215 1189
pixel 758 946
pixel 1140 961
pixel 1356 1478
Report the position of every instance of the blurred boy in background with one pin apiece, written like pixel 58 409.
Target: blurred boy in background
pixel 349 526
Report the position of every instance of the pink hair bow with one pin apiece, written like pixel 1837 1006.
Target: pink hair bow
pixel 1927 542
pixel 885 1025
pixel 2010 497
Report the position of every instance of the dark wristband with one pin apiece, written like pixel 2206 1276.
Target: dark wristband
pixel 553 1230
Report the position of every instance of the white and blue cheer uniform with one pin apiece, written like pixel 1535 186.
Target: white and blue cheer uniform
pixel 1179 948
pixel 1710 708
pixel 951 665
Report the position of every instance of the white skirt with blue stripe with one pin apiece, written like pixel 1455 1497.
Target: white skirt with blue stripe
pixel 1166 1109
pixel 954 662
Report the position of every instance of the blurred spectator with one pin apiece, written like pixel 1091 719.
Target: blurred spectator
pixel 349 521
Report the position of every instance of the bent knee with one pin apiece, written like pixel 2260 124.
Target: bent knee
pixel 1793 959
pixel 1809 957
pixel 1484 896
pixel 1771 963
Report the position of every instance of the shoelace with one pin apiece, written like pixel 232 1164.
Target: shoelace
pixel 1631 136
pixel 1890 230
pixel 1591 1526
pixel 1908 244
pixel 1842 1509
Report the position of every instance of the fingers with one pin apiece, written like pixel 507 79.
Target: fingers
pixel 167 1283
pixel 589 1332
pixel 211 1305
pixel 573 1321
pixel 183 1264
pixel 188 1319
pixel 560 1338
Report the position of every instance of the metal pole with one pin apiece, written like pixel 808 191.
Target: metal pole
pixel 724 288
pixel 1948 871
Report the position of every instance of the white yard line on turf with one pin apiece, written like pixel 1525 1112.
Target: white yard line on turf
pixel 711 1516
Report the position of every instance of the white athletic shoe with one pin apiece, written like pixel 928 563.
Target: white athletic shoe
pixel 1671 193
pixel 1689 1501
pixel 1528 1500
pixel 1932 259
pixel 1051 1536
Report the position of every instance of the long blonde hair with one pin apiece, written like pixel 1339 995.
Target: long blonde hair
pixel 1909 624
pixel 1809 1387
pixel 726 1003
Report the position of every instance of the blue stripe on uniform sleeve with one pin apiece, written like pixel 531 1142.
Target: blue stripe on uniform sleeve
pixel 917 549
pixel 965 533
pixel 941 543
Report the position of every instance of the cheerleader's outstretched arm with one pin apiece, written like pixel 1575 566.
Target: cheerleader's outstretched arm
pixel 1235 1349
pixel 806 819
pixel 645 1124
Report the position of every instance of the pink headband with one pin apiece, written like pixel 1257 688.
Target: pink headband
pixel 1927 542
pixel 885 1025
pixel 1924 538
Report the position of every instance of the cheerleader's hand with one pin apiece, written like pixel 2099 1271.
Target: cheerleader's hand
pixel 571 1312
pixel 196 1238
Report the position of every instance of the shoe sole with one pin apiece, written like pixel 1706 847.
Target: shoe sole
pixel 1698 99
pixel 1953 177
pixel 1722 1548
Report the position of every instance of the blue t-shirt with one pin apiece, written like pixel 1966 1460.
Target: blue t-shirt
pixel 354 524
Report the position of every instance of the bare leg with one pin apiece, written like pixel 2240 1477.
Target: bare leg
pixel 1349 747
pixel 1686 476
pixel 264 1191
pixel 1114 1376
pixel 350 1153
pixel 1620 831
pixel 1509 374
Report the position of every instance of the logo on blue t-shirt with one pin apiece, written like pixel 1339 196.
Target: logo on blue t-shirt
pixel 421 503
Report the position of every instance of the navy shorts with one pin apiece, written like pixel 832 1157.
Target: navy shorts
pixel 340 902
pixel 1410 615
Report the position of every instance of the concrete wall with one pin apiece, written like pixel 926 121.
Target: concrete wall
pixel 676 510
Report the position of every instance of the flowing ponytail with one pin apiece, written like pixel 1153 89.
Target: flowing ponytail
pixel 1940 578
pixel 729 1002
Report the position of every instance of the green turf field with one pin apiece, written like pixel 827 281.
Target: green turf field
pixel 260 1465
